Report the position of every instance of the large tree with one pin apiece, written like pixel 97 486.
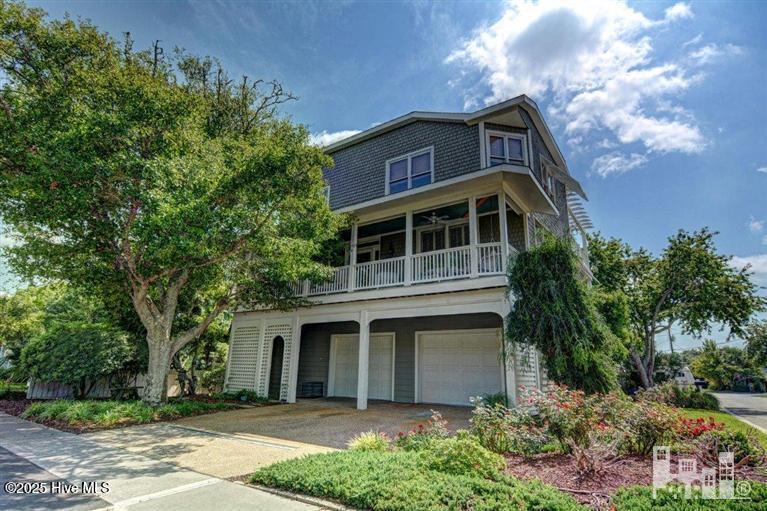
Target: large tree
pixel 159 179
pixel 554 311
pixel 689 285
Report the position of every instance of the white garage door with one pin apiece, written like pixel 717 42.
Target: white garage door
pixel 344 359
pixel 456 365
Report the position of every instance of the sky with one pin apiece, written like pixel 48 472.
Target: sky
pixel 658 107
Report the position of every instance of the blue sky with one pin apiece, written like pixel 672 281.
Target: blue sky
pixel 659 107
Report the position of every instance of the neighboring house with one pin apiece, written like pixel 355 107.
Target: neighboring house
pixel 684 377
pixel 415 313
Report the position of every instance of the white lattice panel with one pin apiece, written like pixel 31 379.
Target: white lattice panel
pixel 525 366
pixel 243 358
pixel 270 332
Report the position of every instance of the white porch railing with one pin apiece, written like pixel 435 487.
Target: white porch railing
pixel 490 258
pixel 447 264
pixel 382 273
pixel 450 263
pixel 337 284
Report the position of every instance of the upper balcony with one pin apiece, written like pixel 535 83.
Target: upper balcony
pixel 459 245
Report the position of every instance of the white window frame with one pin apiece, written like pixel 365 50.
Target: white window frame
pixel 506 135
pixel 409 157
pixel 327 193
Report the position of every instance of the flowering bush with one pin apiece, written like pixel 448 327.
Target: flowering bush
pixel 645 425
pixel 370 441
pixel 567 415
pixel 692 428
pixel 419 437
pixel 503 430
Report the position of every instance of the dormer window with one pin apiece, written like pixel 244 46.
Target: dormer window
pixel 506 148
pixel 410 171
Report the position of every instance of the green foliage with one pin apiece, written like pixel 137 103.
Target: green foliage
pixel 641 499
pixel 690 284
pixel 104 414
pixel 674 395
pixel 731 423
pixel 507 430
pixel 370 441
pixel 756 341
pixel 463 456
pixel 645 425
pixel 76 353
pixel 554 312
pixel 153 179
pixel 399 481
pixel 244 395
pixel 723 366
pixel 421 436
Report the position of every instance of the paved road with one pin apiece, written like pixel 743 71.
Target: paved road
pixel 752 407
pixel 135 482
pixel 16 469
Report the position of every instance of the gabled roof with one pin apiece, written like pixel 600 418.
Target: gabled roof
pixel 470 118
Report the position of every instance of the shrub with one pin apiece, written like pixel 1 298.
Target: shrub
pixel 462 456
pixel 598 455
pixel 400 481
pixel 370 441
pixel 505 430
pixel 566 414
pixel 101 414
pixel 421 436
pixel 498 398
pixel 646 425
pixel 745 447
pixel 674 395
pixel 691 428
pixel 640 498
pixel 244 395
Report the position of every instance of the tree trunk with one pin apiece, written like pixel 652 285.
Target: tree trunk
pixel 160 353
pixel 644 378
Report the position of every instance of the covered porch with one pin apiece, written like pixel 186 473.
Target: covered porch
pixel 463 239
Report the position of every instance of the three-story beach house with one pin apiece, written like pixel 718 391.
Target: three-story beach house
pixel 415 310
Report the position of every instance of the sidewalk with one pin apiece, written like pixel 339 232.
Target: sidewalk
pixel 135 482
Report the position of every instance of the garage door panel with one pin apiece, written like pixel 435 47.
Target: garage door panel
pixel 380 366
pixel 454 366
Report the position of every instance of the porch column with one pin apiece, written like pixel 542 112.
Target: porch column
pixel 364 362
pixel 408 247
pixel 510 373
pixel 473 237
pixel 504 230
pixel 295 347
pixel 352 259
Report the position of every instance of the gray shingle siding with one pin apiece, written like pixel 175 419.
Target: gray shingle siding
pixel 360 170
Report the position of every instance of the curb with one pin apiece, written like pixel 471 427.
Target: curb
pixel 744 420
pixel 306 499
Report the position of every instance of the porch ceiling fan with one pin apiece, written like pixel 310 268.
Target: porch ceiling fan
pixel 435 219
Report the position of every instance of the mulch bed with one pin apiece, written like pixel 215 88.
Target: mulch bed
pixel 559 470
pixel 14 406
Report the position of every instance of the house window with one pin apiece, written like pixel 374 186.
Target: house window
pixel 548 180
pixel 506 148
pixel 410 171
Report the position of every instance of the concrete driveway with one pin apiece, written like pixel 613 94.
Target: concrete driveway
pixel 237 442
pixel 326 422
pixel 750 407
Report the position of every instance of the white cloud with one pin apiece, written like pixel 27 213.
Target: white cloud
pixel 755 225
pixel 678 11
pixel 595 61
pixel 763 170
pixel 617 163
pixel 709 52
pixel 325 138
pixel 757 264
pixel 695 40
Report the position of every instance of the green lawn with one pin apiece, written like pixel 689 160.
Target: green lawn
pixel 94 414
pixel 730 422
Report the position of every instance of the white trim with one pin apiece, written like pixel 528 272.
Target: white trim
pixel 482 147
pixel 363 361
pixel 417 335
pixel 505 135
pixel 409 157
